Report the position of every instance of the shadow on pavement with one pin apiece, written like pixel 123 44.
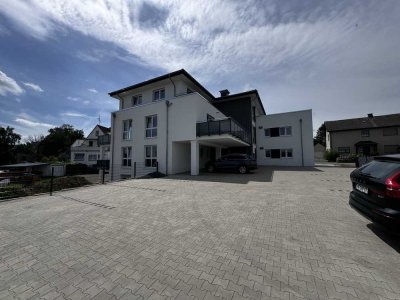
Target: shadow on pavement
pixel 392 239
pixel 262 174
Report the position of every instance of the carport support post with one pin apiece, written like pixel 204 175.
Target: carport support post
pixel 218 152
pixel 194 157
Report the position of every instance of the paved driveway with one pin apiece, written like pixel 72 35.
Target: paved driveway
pixel 284 234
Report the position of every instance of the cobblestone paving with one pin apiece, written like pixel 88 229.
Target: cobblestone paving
pixel 198 238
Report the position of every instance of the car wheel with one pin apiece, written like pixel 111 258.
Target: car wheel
pixel 242 169
pixel 211 169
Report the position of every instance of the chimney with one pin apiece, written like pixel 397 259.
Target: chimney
pixel 370 115
pixel 224 93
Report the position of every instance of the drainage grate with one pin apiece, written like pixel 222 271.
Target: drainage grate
pixel 88 202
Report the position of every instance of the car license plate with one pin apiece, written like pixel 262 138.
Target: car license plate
pixel 362 189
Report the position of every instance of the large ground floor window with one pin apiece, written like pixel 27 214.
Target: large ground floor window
pixel 126 156
pixel 150 156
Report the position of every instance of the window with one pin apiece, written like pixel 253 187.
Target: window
pixel 286 153
pixel 159 94
pixel 285 131
pixel 92 157
pixel 278 131
pixel 90 143
pixel 150 156
pixel 344 150
pixel 391 149
pixel 390 131
pixel 127 156
pixel 364 132
pixel 127 130
pixel 97 133
pixel 279 153
pixel 151 126
pixel 79 156
pixel 136 100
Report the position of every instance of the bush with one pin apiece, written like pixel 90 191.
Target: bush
pixel 59 183
pixel 331 155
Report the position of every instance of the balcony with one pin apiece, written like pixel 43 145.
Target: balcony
pixel 103 140
pixel 220 127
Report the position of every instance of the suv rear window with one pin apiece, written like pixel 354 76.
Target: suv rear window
pixel 379 169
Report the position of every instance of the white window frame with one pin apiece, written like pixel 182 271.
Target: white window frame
pixel 152 127
pixel 126 156
pixel 137 100
pixel 152 158
pixel 285 152
pixel 365 132
pixel 287 131
pixel 127 130
pixel 90 157
pixel 77 159
pixel 157 94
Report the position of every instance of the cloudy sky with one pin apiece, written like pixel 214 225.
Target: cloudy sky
pixel 59 59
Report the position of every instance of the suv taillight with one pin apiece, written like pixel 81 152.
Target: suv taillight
pixel 393 186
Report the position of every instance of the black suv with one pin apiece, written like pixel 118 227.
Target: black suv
pixel 376 191
pixel 233 162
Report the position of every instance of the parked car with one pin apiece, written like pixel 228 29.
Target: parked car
pixel 233 162
pixel 376 191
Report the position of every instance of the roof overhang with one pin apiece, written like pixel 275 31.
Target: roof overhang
pixel 253 94
pixel 223 141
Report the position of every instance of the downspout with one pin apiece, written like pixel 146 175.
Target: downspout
pixel 112 145
pixel 168 104
pixel 173 83
pixel 301 141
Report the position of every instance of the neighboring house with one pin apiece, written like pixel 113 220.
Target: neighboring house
pixel 319 151
pixel 370 135
pixel 89 150
pixel 173 121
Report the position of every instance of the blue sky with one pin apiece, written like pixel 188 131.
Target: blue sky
pixel 59 59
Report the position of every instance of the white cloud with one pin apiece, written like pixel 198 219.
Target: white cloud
pixel 9 86
pixel 33 86
pixel 30 123
pixel 86 102
pixel 18 100
pixel 308 53
pixel 75 99
pixel 74 114
pixel 93 91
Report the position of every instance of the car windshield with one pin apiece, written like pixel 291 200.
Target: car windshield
pixel 379 169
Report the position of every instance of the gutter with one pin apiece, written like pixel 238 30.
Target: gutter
pixel 301 141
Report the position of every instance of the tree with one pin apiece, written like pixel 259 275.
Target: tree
pixel 320 137
pixel 29 150
pixel 8 140
pixel 59 140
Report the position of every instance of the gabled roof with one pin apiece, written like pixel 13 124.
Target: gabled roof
pixel 163 77
pixel 104 129
pixel 240 95
pixel 364 123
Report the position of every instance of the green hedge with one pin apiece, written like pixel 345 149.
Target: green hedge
pixel 331 155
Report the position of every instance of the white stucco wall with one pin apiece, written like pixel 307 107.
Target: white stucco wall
pixel 183 113
pixel 286 142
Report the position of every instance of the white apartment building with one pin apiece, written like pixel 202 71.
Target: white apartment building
pixel 87 151
pixel 174 121
pixel 285 139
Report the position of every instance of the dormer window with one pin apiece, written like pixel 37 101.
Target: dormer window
pixel 159 94
pixel 136 100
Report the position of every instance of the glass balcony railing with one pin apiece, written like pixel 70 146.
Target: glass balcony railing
pixel 225 126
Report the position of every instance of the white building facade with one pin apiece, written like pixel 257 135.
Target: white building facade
pixel 172 123
pixel 285 139
pixel 87 151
